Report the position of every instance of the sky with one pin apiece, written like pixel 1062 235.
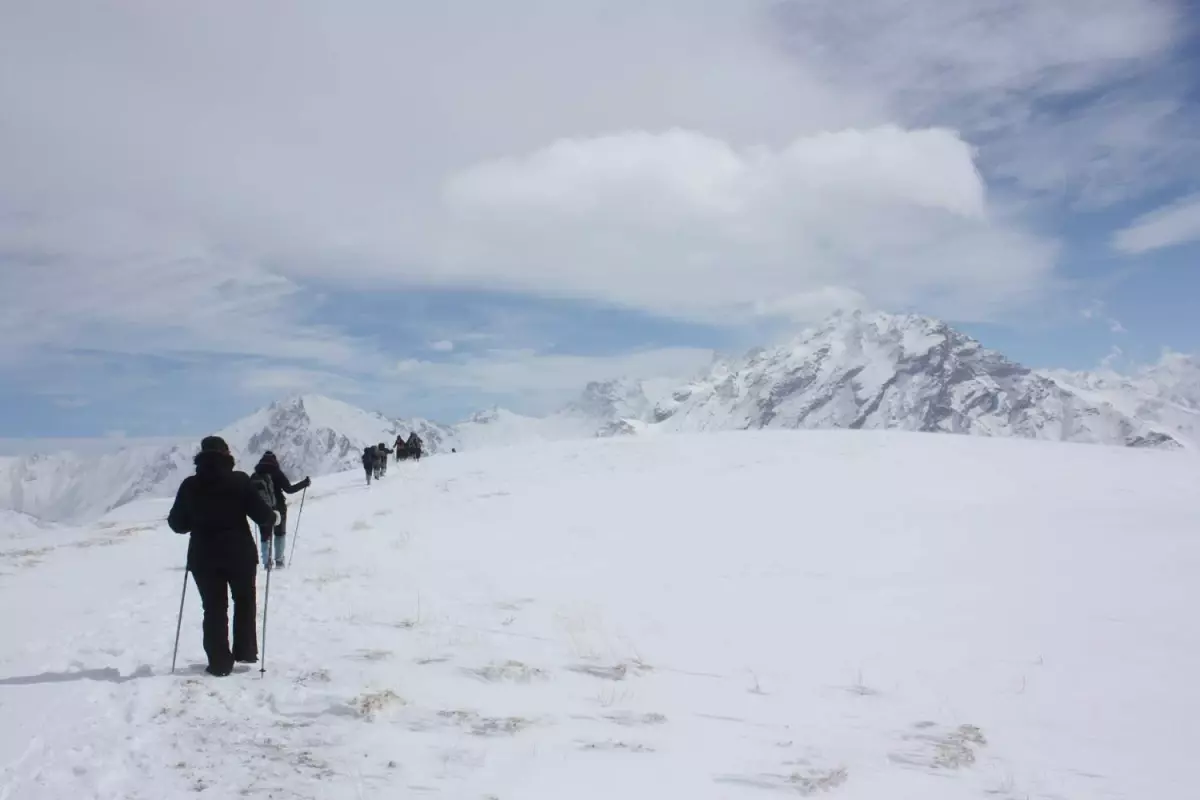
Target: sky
pixel 431 208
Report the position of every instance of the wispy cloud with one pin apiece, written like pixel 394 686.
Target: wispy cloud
pixel 1174 224
pixel 1097 311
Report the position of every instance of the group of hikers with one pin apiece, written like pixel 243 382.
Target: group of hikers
pixel 375 457
pixel 213 505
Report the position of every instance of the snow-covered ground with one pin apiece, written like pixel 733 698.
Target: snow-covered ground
pixel 843 613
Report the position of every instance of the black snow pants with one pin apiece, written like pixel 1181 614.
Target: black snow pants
pixel 216 584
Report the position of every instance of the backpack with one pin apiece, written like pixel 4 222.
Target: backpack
pixel 369 455
pixel 265 487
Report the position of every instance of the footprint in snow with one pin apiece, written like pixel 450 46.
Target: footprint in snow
pixel 804 782
pixel 616 747
pixel 934 747
pixel 617 672
pixel 513 671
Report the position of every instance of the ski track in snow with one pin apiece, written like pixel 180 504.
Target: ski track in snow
pixel 835 614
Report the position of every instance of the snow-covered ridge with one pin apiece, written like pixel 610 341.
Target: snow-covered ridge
pixel 1166 394
pixel 879 371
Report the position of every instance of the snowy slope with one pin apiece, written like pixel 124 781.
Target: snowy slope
pixel 1166 394
pixel 883 371
pixel 15 525
pixel 75 486
pixel 850 615
pixel 311 434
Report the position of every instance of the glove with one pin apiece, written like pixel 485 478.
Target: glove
pixel 304 484
pixel 278 518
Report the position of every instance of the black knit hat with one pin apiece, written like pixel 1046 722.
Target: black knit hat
pixel 213 444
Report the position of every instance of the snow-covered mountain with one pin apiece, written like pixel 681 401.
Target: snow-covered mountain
pixel 855 371
pixel 70 486
pixel 311 435
pixel 316 435
pixel 1166 394
pixel 899 372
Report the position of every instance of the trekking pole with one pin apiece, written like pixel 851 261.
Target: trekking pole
pixel 296 530
pixel 267 604
pixel 179 624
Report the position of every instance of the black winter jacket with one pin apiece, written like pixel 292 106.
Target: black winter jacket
pixel 280 482
pixel 212 506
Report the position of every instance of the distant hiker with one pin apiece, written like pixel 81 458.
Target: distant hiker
pixel 382 459
pixel 368 462
pixel 212 506
pixel 399 448
pixel 414 446
pixel 269 480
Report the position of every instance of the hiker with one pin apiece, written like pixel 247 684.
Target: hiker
pixel 400 449
pixel 268 478
pixel 414 446
pixel 382 459
pixel 212 506
pixel 368 462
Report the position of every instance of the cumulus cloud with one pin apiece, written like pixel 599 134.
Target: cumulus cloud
pixel 1174 224
pixel 683 224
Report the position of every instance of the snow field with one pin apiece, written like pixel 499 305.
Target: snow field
pixel 842 614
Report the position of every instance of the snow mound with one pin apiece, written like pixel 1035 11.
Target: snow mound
pixel 839 614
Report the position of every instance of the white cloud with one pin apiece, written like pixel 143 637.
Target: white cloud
pixel 533 382
pixel 273 381
pixel 107 281
pixel 1099 312
pixel 1174 224
pixel 174 174
pixel 443 346
pixel 1011 73
pixel 686 225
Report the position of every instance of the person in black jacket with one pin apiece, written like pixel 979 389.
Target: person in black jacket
pixel 269 465
pixel 212 506
pixel 414 446
pixel 368 461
